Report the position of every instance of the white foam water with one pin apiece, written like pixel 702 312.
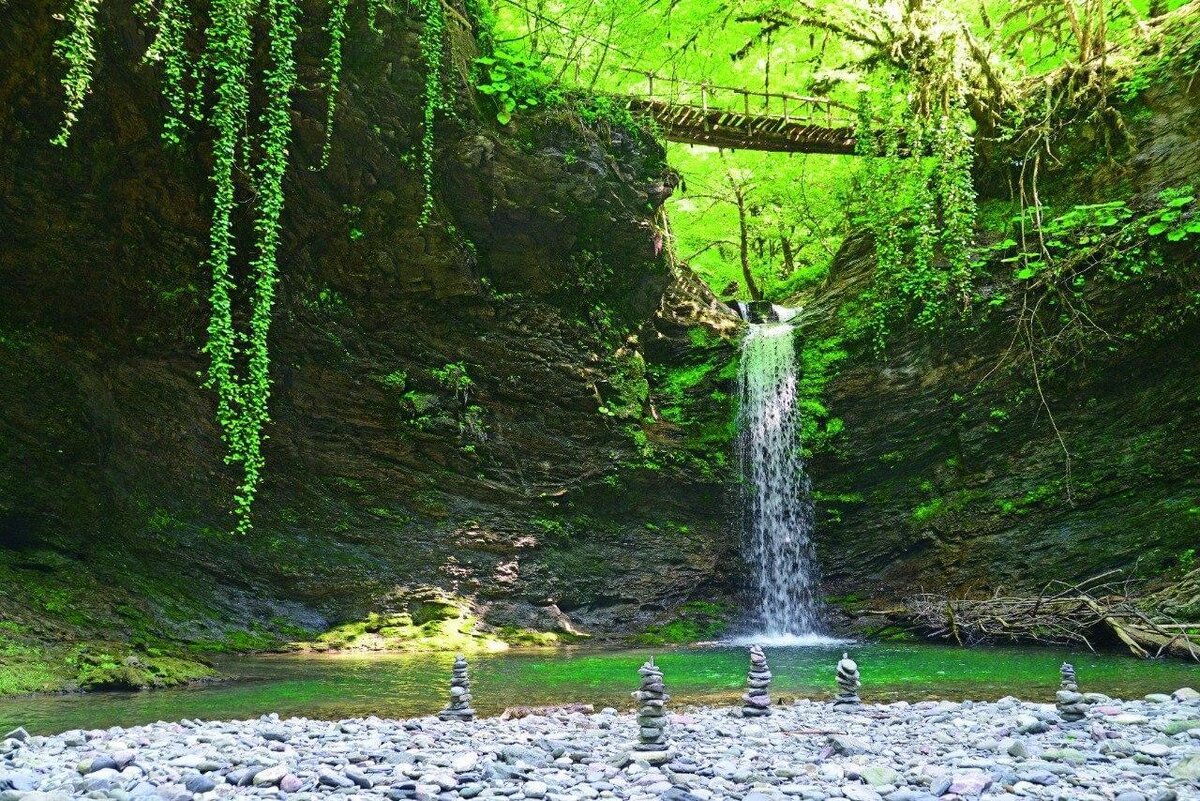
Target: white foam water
pixel 790 641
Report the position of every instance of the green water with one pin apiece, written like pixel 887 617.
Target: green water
pixel 406 685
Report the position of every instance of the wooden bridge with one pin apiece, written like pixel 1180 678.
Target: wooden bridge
pixel 743 119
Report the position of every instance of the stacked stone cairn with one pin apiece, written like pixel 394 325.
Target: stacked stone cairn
pixel 652 716
pixel 848 683
pixel 756 703
pixel 459 707
pixel 1071 704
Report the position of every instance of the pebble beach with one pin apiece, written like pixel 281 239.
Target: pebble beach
pixel 1122 750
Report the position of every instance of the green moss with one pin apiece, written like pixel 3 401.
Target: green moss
pixel 241 641
pixel 105 671
pixel 26 668
pixel 627 391
pixel 949 505
pixel 695 401
pixel 430 621
pixel 534 639
pixel 819 359
pixel 697 621
pixel 399 632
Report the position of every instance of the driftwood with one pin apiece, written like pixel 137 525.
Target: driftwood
pixel 1061 614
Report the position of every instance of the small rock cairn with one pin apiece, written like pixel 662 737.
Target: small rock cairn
pixel 652 721
pixel 756 703
pixel 459 707
pixel 1071 705
pixel 848 683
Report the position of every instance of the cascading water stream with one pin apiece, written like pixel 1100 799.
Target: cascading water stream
pixel 778 503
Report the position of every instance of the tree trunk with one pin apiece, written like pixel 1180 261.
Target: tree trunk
pixel 744 244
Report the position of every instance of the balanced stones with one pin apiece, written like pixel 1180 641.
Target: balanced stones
pixel 459 707
pixel 848 684
pixel 1071 704
pixel 756 703
pixel 652 716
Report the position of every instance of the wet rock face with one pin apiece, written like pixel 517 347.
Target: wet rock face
pixel 940 481
pixel 948 475
pixel 443 396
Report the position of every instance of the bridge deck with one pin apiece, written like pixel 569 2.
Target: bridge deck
pixel 703 114
pixel 738 131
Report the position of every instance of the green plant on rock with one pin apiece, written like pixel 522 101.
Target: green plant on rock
pixel 513 83
pixel 454 377
pixel 1177 218
pixel 696 621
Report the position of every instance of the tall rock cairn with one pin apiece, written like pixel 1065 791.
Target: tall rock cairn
pixel 459 707
pixel 652 716
pixel 756 703
pixel 1070 703
pixel 848 683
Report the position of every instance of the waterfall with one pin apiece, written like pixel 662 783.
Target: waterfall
pixel 778 502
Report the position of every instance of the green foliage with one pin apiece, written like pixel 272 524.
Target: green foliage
pixel 397 380
pixel 230 41
pixel 921 213
pixel 454 377
pixel 1177 218
pixel 818 365
pixel 602 110
pixel 77 49
pixel 1107 239
pixel 336 28
pixel 513 83
pixel 432 47
pixel 169 49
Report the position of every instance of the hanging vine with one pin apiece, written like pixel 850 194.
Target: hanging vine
pixel 169 50
pixel 955 152
pixel 78 51
pixel 918 202
pixel 228 54
pixel 280 80
pixel 239 358
pixel 432 44
pixel 333 69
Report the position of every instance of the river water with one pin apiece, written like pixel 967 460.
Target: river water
pixel 407 685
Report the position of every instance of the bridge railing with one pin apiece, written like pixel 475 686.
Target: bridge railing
pixel 714 97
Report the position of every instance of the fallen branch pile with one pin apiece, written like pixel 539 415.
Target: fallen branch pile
pixel 1062 614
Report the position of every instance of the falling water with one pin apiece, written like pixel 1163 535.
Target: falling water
pixel 778 503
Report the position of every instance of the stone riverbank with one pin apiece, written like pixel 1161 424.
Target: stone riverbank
pixel 1122 751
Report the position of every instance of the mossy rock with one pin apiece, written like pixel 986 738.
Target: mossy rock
pixel 440 631
pixel 697 621
pixel 24 676
pixel 140 673
pixel 427 611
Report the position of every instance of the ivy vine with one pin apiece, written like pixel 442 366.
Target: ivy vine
pixel 169 49
pixel 78 50
pixel 239 357
pixel 432 44
pixel 333 68
pixel 918 202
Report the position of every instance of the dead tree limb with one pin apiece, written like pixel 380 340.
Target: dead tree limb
pixel 1061 614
